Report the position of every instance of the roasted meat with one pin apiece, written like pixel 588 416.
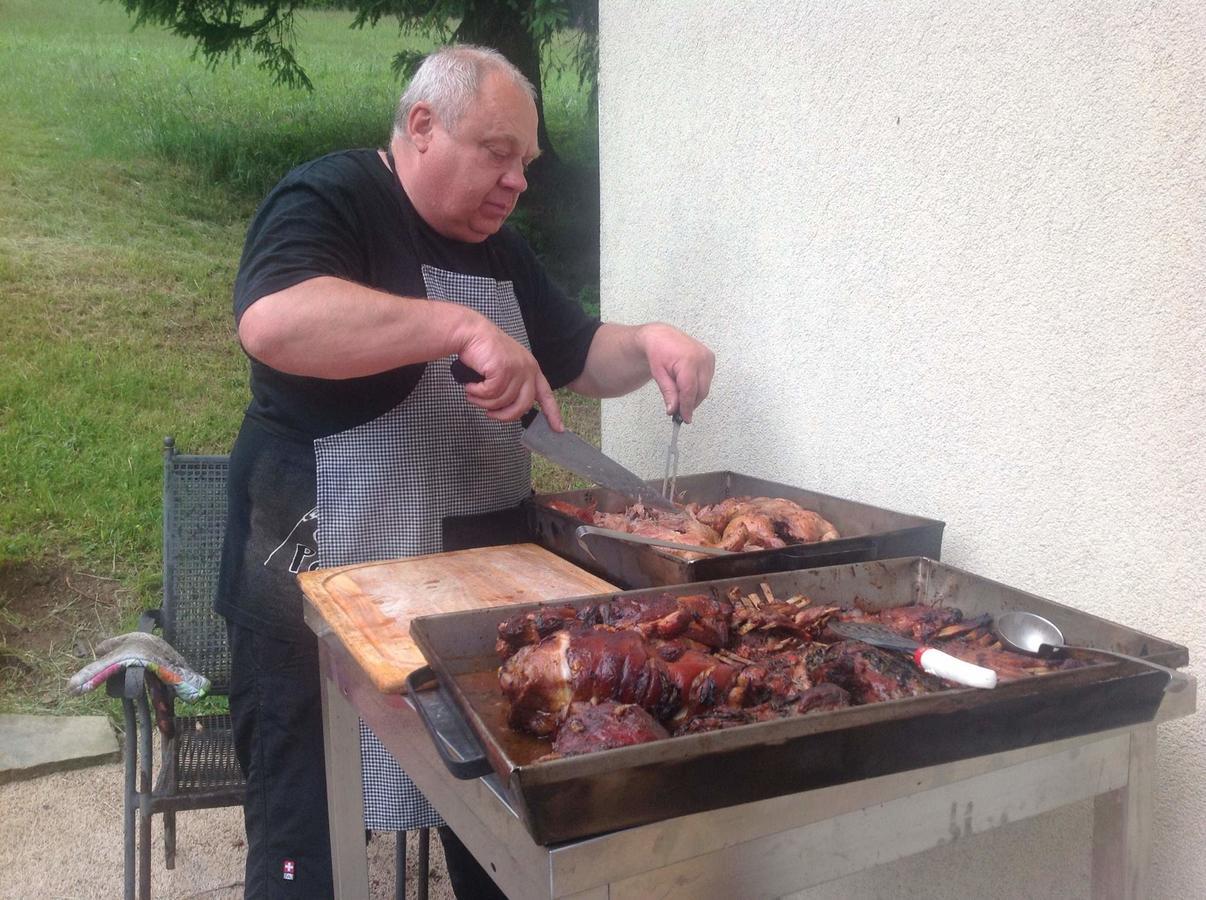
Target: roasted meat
pixel 872 675
pixel 696 617
pixel 784 618
pixel 631 669
pixel 820 698
pixel 604 726
pixel 600 663
pixel 669 679
pixel 751 531
pixel 604 663
pixel 738 523
pixel 916 621
pixel 585 514
pixel 705 680
pixel 532 628
pixel 680 527
pixel 766 520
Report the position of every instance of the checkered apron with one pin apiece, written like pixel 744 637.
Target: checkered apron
pixel 385 486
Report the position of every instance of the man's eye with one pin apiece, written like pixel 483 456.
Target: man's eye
pixel 500 155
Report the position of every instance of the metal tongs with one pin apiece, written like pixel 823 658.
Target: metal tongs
pixel 671 478
pixel 582 532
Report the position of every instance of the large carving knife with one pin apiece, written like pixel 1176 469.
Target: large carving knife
pixel 571 452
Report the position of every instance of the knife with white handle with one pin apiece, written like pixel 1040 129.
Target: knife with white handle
pixel 928 659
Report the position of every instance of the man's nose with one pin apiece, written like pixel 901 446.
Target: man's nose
pixel 513 179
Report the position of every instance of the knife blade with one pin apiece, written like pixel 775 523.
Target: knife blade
pixel 571 452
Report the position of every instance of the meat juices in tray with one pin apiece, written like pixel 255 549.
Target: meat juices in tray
pixel 631 670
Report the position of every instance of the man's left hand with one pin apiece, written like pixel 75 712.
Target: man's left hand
pixel 681 366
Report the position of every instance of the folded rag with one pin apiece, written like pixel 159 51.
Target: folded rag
pixel 138 648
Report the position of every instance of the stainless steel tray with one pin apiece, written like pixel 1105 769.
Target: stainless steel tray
pixel 577 796
pixel 868 532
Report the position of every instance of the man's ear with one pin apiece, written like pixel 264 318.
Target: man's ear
pixel 420 123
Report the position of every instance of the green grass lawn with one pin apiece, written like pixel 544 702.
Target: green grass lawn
pixel 128 173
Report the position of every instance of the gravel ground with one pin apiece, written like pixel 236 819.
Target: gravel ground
pixel 61 837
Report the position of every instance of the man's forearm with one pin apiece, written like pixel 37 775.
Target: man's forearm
pixel 623 357
pixel 616 363
pixel 330 328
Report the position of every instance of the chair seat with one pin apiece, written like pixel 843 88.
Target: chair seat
pixel 206 765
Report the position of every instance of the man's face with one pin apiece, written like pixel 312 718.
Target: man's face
pixel 469 177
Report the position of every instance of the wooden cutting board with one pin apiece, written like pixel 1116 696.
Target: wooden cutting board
pixel 369 606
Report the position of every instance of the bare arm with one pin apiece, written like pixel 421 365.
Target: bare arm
pixel 624 357
pixel 330 328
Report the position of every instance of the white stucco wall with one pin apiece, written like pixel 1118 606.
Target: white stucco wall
pixel 950 257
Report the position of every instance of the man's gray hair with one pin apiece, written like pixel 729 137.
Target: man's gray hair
pixel 449 79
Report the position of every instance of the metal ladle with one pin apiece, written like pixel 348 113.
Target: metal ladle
pixel 1029 632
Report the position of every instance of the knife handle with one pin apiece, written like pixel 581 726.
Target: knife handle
pixel 954 669
pixel 462 374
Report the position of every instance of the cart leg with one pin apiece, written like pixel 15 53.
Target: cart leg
pixel 345 786
pixel 400 865
pixel 1122 826
pixel 169 839
pixel 424 861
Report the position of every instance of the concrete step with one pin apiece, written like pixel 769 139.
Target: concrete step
pixel 35 745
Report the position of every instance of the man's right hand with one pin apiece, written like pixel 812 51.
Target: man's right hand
pixel 512 380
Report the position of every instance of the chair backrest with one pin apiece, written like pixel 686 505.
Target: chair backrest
pixel 194 520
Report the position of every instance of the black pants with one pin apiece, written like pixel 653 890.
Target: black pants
pixel 276 710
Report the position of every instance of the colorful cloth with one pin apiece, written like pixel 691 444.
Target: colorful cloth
pixel 150 651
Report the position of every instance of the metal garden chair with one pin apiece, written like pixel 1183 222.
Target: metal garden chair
pixel 198 768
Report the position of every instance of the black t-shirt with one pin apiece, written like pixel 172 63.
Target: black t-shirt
pixel 345 215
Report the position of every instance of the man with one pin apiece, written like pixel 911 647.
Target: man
pixel 364 274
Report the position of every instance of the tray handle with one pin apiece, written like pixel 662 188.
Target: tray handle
pixel 853 550
pixel 457 746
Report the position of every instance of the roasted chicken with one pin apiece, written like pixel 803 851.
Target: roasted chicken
pixel 738 523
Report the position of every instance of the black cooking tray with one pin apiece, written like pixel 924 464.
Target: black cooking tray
pixel 868 532
pixel 570 798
